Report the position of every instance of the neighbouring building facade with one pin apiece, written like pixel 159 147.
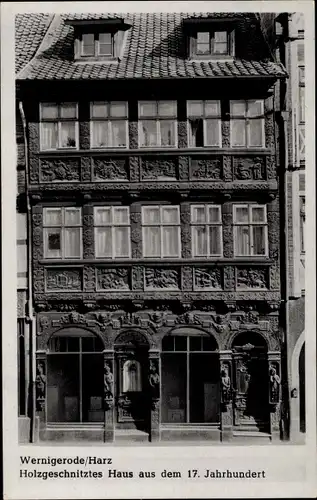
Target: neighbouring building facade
pixel 152 191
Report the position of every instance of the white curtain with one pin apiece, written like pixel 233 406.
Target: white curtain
pixel 48 135
pixel 100 133
pixel 103 241
pixel 72 242
pixel 170 241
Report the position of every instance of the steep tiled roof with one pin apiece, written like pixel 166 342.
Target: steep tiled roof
pixel 29 33
pixel 154 48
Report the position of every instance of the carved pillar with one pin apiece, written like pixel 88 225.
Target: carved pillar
pixel 155 399
pixel 226 407
pixel 227 230
pixel 274 362
pixel 136 230
pixel 88 232
pixel 40 392
pixel 109 388
pixel 185 230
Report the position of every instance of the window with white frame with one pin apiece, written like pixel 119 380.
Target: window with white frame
pixel 112 232
pixel 161 231
pixel 62 233
pixel 206 227
pixel 157 123
pixel 109 124
pixel 247 123
pixel 211 43
pixel 204 123
pixel 97 44
pixel 59 126
pixel 250 230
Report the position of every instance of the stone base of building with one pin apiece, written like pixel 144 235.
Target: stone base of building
pixel 24 429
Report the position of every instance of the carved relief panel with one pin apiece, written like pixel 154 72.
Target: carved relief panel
pixel 63 279
pixel 162 278
pixel 206 168
pixel 207 278
pixel 246 169
pixel 113 279
pixel 60 170
pixel 252 278
pixel 110 169
pixel 154 169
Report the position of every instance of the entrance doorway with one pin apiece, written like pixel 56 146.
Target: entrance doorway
pixel 251 382
pixel 132 386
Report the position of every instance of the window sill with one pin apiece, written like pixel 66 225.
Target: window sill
pixel 163 151
pixel 167 261
pixel 211 57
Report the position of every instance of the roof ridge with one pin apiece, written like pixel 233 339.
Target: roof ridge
pixel 55 18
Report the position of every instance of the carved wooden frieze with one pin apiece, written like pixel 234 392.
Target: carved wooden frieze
pixel 248 169
pixel 206 168
pixel 113 279
pixel 60 170
pixel 183 168
pixel 134 168
pixel 162 278
pixel 252 278
pixel 63 279
pixel 207 278
pixel 110 169
pixel 138 278
pixel 154 169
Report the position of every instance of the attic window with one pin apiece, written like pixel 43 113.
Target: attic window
pixel 97 44
pixel 206 44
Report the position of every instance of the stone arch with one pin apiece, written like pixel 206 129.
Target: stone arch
pixel 193 331
pixel 295 386
pixel 70 330
pixel 135 337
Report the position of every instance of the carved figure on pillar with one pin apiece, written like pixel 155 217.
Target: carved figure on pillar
pixel 274 385
pixel 225 384
pixel 108 380
pixel 40 384
pixel 154 379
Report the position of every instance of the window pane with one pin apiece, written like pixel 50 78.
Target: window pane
pixel 52 217
pixel 220 36
pixel 102 216
pixel 220 42
pixel 195 108
pixel 72 242
pixel 118 109
pixel 214 240
pixel 209 344
pixel 256 132
pixel 152 241
pixel 180 343
pixel 68 110
pixel 241 214
pixel 103 242
pixel 170 215
pixel 121 241
pixel 242 240
pixel 258 240
pixel 105 49
pixel 195 343
pixel 258 214
pixel 105 37
pixel 121 215
pixel 255 108
pixel 48 135
pixel 168 343
pixel 212 133
pixel 170 241
pixel 203 43
pixel 212 108
pixel 148 133
pixel 198 215
pixel 203 37
pixel 118 133
pixel 92 388
pixel 88 44
pixel 151 215
pixel 49 111
pixel 67 135
pixel 63 388
pixel 72 344
pixel 53 243
pixel 301 104
pixel 174 380
pixel 214 214
pixel 204 397
pixel 167 132
pixel 237 108
pixel 148 108
pixel 167 108
pixel 100 134
pixel 238 137
pixel 199 240
pixel 72 216
pixel 196 133
pixel 99 110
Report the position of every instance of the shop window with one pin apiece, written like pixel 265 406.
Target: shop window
pixel 250 230
pixel 190 379
pixel 109 124
pixel 59 126
pixel 75 389
pixel 247 124
pixel 157 123
pixel 206 227
pixel 161 231
pixel 62 232
pixel 204 123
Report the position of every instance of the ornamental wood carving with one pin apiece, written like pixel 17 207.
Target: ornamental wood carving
pixel 249 168
pixel 162 278
pixel 60 170
pixel 113 279
pixel 110 169
pixel 155 169
pixel 183 168
pixel 207 278
pixel 206 168
pixel 254 278
pixel 63 279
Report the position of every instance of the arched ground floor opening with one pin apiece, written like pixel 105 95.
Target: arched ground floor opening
pixel 184 388
pixel 298 393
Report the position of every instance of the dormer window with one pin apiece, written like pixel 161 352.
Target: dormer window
pixel 97 44
pixel 210 38
pixel 212 43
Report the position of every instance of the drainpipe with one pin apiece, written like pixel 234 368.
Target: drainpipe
pixel 30 316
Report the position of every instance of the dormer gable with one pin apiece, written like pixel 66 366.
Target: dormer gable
pixel 210 38
pixel 98 39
